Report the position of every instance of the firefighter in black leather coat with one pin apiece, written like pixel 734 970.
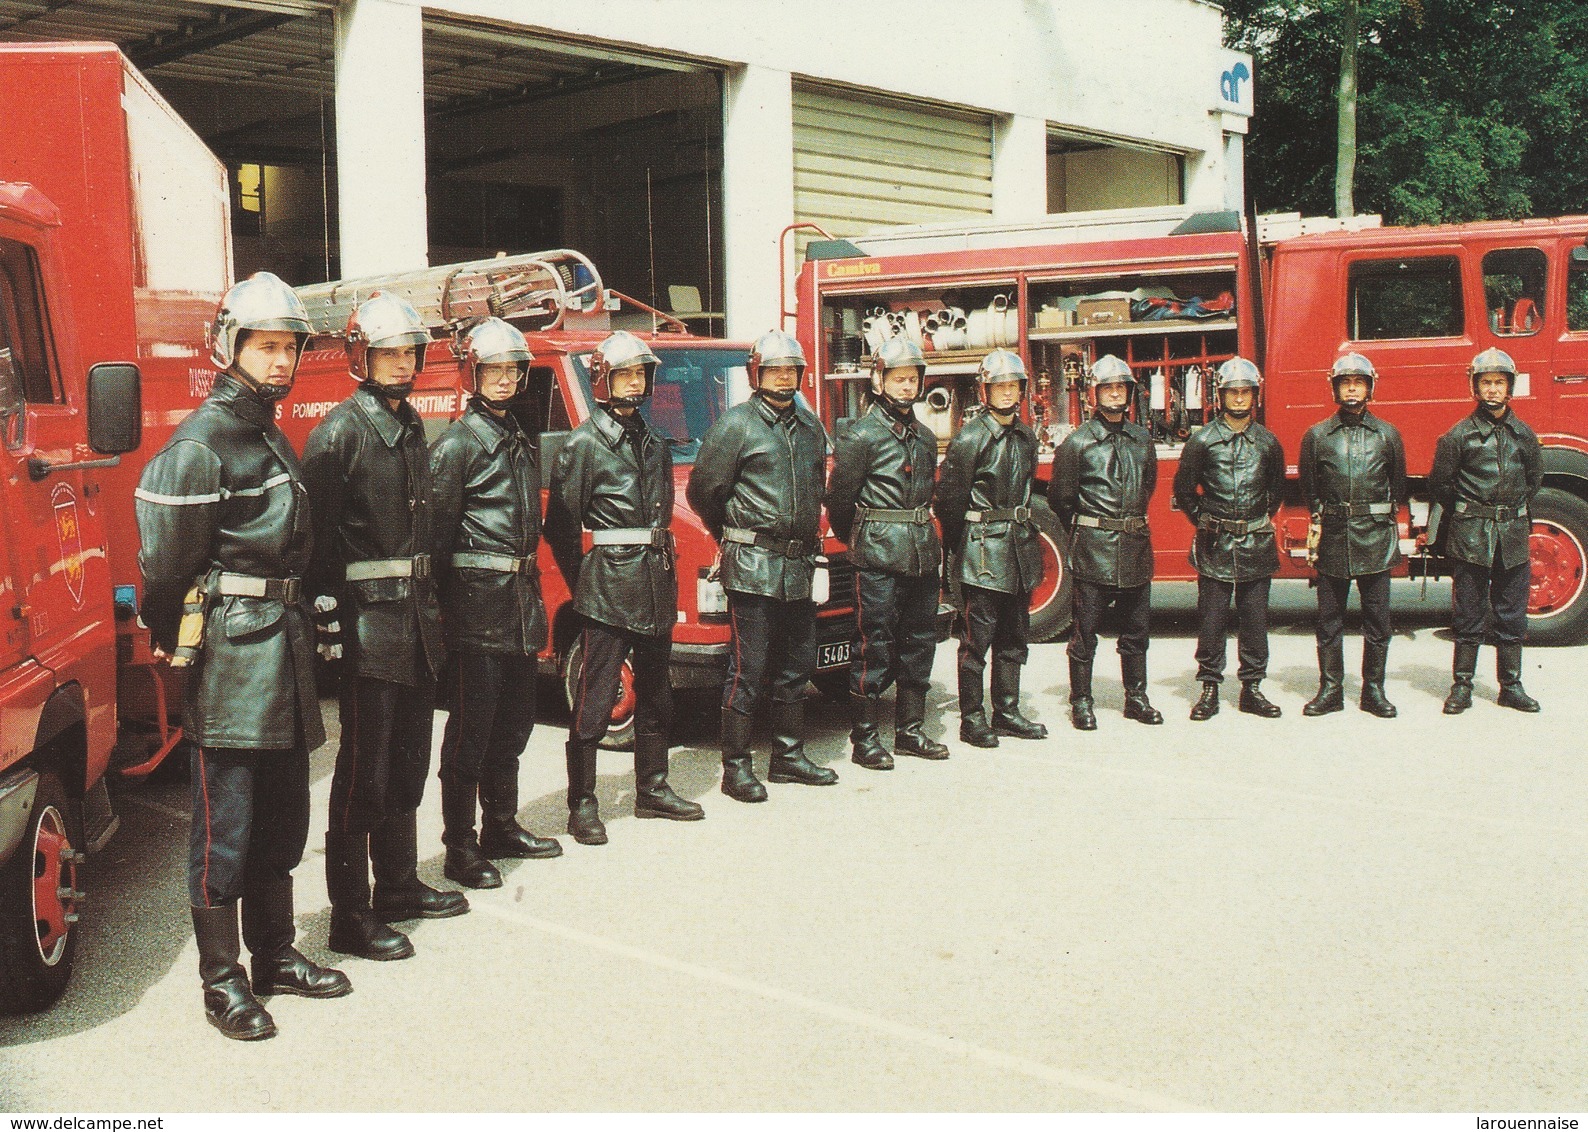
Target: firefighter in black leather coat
pixel 485 479
pixel 1230 482
pixel 757 486
pixel 368 472
pixel 984 505
pixel 879 499
pixel 1487 469
pixel 1353 476
pixel 613 477
pixel 223 505
pixel 1103 477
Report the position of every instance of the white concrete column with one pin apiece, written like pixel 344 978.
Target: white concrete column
pixel 380 137
pixel 1235 172
pixel 757 194
pixel 1020 167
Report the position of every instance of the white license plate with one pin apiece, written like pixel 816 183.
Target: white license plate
pixel 833 656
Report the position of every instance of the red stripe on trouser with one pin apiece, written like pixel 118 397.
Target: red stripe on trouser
pixel 738 657
pixel 584 677
pixel 209 841
pixel 861 630
pixel 352 774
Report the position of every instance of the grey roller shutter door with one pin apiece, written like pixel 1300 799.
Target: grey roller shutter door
pixel 863 161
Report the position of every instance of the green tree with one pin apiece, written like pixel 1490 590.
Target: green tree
pixel 1466 109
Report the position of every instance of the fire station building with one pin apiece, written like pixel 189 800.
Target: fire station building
pixel 672 140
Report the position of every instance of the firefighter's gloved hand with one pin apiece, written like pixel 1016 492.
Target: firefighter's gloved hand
pixel 327 628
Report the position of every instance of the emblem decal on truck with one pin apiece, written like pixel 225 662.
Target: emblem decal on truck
pixel 70 537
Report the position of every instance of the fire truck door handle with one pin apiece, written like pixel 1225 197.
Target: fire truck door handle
pixel 39 467
pixel 1571 378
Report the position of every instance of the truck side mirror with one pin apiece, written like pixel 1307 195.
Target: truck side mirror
pixel 115 408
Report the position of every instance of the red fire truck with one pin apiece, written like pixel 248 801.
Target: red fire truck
pixel 114 248
pixel 558 300
pixel 1174 293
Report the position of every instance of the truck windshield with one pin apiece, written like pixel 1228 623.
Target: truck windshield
pixel 693 388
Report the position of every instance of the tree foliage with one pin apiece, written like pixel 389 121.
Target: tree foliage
pixel 1467 109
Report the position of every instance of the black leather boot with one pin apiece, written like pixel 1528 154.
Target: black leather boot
pixel 399 893
pixel 1374 657
pixel 229 1003
pixel 465 864
pixel 1133 669
pixel 908 718
pixel 1207 705
pixel 653 798
pixel 789 763
pixel 584 813
pixel 868 751
pixel 738 770
pixel 355 929
pixel 1508 666
pixel 500 834
pixel 1006 719
pixel 1331 682
pixel 975 730
pixel 1082 715
pixel 277 966
pixel 973 726
pixel 1462 669
pixel 1253 702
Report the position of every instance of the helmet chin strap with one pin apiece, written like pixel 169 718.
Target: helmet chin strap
pixel 1238 414
pixel 392 392
pixel 780 399
pixel 262 389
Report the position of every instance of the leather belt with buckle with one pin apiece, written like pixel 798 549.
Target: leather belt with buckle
pixel 1233 526
pixel 499 563
pixel 1020 514
pixel 417 567
pixel 919 515
pixel 1496 512
pixel 288 590
pixel 788 548
pixel 1133 524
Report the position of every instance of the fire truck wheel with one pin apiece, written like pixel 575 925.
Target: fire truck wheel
pixel 620 736
pixel 40 887
pixel 1050 601
pixel 1557 607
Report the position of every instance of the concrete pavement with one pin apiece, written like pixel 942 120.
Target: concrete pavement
pixel 1336 914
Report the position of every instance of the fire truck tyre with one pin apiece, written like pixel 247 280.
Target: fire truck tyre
pixel 1050 601
pixel 620 736
pixel 40 889
pixel 1557 607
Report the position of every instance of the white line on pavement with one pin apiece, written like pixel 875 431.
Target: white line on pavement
pixel 1122 1094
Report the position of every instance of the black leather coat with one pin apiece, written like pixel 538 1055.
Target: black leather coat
pixel 1106 471
pixel 1356 464
pixel 485 478
pixel 226 494
pixel 990 467
pixel 884 460
pixel 605 478
pixel 1491 463
pixel 761 471
pixel 368 472
pixel 1232 476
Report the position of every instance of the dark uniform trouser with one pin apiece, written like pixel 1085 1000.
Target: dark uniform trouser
pixel 771 639
pixel 384 755
pixel 995 620
pixel 491 700
pixel 1374 589
pixel 250 823
pixel 1134 607
pixel 1251 620
pixel 896 632
pixel 1480 588
pixel 601 679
